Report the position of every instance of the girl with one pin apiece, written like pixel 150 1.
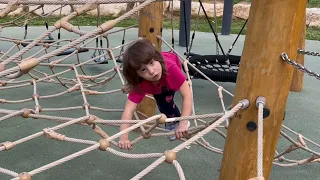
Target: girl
pixel 148 71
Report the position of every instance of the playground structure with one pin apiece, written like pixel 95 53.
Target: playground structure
pixel 247 105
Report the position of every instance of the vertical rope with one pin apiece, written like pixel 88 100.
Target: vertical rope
pixel 260 105
pixel 179 170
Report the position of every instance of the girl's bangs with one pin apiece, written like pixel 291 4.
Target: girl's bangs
pixel 137 63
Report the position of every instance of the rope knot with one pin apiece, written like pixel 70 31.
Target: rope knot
pixel 7 145
pixel 49 133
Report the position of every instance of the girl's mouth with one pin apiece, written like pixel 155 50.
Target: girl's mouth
pixel 156 76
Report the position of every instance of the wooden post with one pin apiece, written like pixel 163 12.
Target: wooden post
pixel 273 28
pixel 150 26
pixel 150 23
pixel 298 75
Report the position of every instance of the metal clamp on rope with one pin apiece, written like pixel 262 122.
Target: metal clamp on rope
pixel 245 103
pixel 262 100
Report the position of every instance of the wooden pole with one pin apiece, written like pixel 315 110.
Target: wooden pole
pixel 150 23
pixel 298 76
pixel 150 26
pixel 273 28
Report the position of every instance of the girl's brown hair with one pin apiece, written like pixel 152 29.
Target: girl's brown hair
pixel 139 53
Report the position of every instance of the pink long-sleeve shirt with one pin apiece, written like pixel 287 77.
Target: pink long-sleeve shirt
pixel 173 80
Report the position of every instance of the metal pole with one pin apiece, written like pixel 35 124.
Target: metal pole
pixel 227 17
pixel 185 17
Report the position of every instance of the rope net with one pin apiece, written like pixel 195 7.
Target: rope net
pixel 36 72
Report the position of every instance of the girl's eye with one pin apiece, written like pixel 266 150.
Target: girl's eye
pixel 142 70
pixel 151 62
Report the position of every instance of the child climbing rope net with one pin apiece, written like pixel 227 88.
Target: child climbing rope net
pixel 60 72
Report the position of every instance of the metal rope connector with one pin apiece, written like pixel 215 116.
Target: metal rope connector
pixel 261 100
pixel 285 57
pixel 245 103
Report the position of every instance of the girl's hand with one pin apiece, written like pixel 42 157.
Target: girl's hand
pixel 124 143
pixel 182 129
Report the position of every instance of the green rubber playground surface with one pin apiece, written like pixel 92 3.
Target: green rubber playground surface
pixel 302 115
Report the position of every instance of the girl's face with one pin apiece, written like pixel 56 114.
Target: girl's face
pixel 151 72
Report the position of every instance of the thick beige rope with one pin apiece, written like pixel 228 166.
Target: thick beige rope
pixel 149 168
pixel 209 128
pixel 260 103
pixel 11 115
pixel 297 144
pixel 65 159
pixel 8 172
pixel 215 150
pixel 301 162
pixel 11 6
pixel 196 69
pixel 189 141
pixel 260 140
pixel 134 156
pixel 85 101
pixel 179 169
pixel 101 29
pixel 310 141
pixel 82 86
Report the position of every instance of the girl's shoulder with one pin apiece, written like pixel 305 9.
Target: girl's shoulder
pixel 168 53
pixel 170 59
pixel 169 56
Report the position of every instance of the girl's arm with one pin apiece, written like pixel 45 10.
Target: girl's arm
pixel 185 92
pixel 186 99
pixel 129 109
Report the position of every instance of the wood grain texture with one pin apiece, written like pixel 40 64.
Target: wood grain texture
pixel 273 28
pixel 298 75
pixel 151 17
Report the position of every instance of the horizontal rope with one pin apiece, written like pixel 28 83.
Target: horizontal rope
pixel 8 172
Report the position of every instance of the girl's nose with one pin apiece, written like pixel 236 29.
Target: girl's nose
pixel 151 70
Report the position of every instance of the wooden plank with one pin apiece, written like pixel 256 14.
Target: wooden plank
pixel 273 28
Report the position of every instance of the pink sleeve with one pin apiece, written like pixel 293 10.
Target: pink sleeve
pixel 175 77
pixel 136 97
